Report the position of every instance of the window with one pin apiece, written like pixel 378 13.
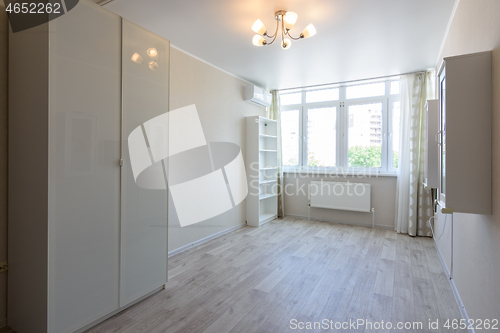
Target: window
pixel 365 90
pixel 395 133
pixel 323 95
pixel 290 134
pixel 394 87
pixel 289 99
pixel 365 136
pixel 353 127
pixel 321 136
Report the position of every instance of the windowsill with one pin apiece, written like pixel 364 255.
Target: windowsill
pixel 340 174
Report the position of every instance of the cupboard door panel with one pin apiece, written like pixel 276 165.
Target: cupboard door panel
pixel 84 173
pixel 145 65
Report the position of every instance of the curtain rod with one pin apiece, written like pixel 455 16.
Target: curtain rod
pixel 343 82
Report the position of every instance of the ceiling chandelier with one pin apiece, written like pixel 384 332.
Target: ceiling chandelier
pixel 287 21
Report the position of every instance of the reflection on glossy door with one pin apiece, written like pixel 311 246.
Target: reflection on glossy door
pixel 145 64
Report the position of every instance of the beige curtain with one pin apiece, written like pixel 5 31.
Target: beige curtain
pixel 414 202
pixel 275 114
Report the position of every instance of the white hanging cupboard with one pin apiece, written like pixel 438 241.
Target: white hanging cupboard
pixel 85 240
pixel 465 103
pixel 262 170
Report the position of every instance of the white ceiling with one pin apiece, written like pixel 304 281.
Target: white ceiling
pixel 356 39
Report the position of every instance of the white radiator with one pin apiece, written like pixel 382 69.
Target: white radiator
pixel 340 195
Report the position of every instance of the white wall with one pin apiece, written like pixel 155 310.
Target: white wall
pixel 383 200
pixel 476 265
pixel 219 99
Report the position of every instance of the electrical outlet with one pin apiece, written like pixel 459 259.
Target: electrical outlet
pixel 3 266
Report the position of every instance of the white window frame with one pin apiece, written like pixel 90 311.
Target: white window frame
pixel 342 144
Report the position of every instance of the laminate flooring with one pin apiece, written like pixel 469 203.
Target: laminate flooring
pixel 261 279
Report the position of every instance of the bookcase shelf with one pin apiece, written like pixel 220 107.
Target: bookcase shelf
pixel 261 165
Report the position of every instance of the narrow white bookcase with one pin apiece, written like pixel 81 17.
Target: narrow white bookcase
pixel 262 170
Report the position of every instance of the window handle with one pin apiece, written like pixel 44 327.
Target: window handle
pixel 437 136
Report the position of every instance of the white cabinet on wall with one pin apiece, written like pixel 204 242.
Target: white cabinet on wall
pixel 262 170
pixel 84 239
pixel 465 102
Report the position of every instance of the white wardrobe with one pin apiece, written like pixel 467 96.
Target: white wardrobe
pixel 84 239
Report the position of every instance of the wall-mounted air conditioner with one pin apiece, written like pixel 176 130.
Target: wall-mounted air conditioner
pixel 257 96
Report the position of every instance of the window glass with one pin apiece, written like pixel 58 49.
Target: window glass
pixel 365 135
pixel 324 95
pixel 396 112
pixel 290 99
pixel 366 90
pixel 290 137
pixel 321 137
pixel 394 87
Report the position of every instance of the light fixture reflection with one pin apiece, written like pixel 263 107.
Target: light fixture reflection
pixel 152 52
pixel 136 57
pixel 153 65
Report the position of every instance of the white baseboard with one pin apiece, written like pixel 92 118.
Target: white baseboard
pixel 389 227
pixel 120 309
pixel 204 240
pixel 460 304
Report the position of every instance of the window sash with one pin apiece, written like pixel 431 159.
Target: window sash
pixel 299 157
pixel 305 115
pixel 364 101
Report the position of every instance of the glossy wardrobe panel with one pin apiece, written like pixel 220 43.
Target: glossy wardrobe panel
pixel 145 75
pixel 84 173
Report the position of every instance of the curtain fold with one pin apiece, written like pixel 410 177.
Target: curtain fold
pixel 275 114
pixel 413 201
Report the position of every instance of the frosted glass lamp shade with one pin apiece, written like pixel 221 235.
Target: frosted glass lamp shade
pixel 290 19
pixel 259 28
pixel 309 31
pixel 258 40
pixel 286 44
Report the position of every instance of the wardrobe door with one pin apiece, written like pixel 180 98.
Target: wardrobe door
pixel 145 75
pixel 84 171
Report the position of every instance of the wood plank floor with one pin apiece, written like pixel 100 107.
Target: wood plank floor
pixel 259 279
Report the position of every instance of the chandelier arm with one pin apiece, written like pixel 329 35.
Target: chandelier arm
pixel 288 33
pixel 282 30
pixel 275 33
